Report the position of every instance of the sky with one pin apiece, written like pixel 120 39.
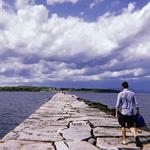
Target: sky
pixel 75 43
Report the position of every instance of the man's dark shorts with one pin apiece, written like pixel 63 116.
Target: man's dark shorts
pixel 126 121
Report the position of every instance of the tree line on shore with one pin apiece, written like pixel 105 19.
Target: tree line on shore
pixel 37 88
pixel 22 88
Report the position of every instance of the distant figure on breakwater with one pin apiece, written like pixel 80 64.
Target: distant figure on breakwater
pixel 125 105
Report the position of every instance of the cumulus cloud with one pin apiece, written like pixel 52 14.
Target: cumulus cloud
pixel 22 3
pixel 51 2
pixel 1 4
pixel 131 7
pixel 38 48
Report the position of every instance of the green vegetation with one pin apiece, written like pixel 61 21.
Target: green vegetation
pixel 99 106
pixel 36 88
pixel 23 88
pixel 91 90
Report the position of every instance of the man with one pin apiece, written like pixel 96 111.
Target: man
pixel 126 103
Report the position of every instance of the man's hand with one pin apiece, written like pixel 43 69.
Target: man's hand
pixel 116 113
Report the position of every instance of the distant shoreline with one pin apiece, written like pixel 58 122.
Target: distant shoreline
pixel 54 89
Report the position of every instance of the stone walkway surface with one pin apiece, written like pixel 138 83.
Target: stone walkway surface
pixel 65 123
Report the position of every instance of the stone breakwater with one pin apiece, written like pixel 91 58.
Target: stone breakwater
pixel 65 123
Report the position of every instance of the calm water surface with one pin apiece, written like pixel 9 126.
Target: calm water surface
pixel 109 99
pixel 15 107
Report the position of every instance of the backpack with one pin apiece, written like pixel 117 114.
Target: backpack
pixel 139 121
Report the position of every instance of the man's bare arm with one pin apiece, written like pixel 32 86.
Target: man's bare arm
pixel 116 112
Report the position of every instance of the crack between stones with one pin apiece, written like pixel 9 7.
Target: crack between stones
pixel 92 134
pixel 53 144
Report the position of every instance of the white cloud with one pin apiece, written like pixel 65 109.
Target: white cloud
pixel 51 2
pixel 116 74
pixel 22 3
pixel 139 50
pixel 131 7
pixel 135 73
pixel 70 45
pixel 110 64
pixel 1 4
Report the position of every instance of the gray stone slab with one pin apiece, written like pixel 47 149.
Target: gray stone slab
pixel 115 132
pixel 26 145
pixel 106 132
pixel 81 145
pixel 77 131
pixel 45 125
pixel 81 117
pixel 30 135
pixel 40 136
pixel 105 122
pixel 48 122
pixel 115 143
pixel 78 104
pixel 11 136
pixel 61 145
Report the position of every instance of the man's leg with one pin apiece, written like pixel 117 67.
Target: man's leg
pixel 137 140
pixel 123 135
pixel 133 131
